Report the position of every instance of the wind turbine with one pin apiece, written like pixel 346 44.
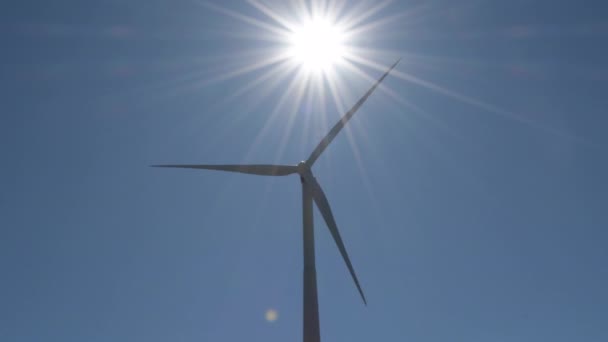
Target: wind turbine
pixel 311 191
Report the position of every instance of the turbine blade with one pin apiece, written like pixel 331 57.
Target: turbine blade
pixel 262 170
pixel 321 201
pixel 340 124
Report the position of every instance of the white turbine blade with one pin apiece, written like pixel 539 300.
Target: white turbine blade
pixel 262 170
pixel 340 124
pixel 321 201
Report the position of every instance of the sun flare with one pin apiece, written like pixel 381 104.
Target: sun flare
pixel 317 45
pixel 313 53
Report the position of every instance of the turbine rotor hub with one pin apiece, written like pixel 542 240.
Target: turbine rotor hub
pixel 303 168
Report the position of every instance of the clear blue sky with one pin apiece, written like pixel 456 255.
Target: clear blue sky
pixel 474 206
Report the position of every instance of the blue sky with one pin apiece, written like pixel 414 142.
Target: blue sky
pixel 472 203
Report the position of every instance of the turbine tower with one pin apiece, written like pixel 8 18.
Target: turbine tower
pixel 311 192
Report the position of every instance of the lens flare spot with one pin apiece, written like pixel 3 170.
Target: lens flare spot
pixel 271 315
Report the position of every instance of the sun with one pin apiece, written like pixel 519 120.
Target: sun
pixel 317 45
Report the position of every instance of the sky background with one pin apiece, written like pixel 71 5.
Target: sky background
pixel 472 201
